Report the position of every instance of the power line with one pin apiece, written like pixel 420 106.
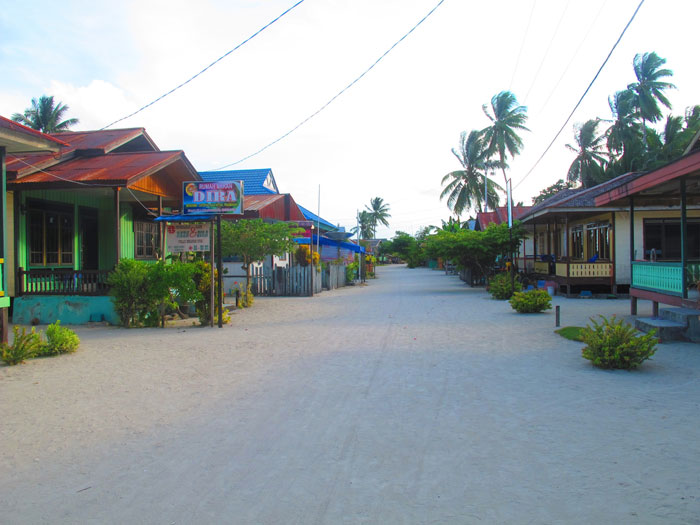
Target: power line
pixel 206 68
pixel 546 53
pixel 338 94
pixel 582 96
pixel 522 45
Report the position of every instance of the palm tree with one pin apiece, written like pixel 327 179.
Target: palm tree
pixel 367 226
pixel 590 156
pixel 649 88
pixel 378 212
pixel 507 118
pixel 464 188
pixel 44 115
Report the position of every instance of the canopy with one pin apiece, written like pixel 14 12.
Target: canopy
pixel 324 241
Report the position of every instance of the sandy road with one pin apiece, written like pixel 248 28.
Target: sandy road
pixel 412 400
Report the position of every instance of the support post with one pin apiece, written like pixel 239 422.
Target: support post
pixel 634 299
pixel 684 239
pixel 4 322
pixel 161 229
pixel 558 316
pixel 117 226
pixel 212 286
pixel 219 269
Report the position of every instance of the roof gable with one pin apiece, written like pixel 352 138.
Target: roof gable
pixel 255 182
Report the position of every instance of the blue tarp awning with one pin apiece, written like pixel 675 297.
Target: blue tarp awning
pixel 189 217
pixel 324 241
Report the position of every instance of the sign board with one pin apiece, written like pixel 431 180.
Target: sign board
pixel 187 237
pixel 213 197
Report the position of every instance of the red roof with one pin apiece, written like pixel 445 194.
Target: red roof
pixel 280 206
pixel 103 141
pixel 500 215
pixel 115 169
pixel 16 127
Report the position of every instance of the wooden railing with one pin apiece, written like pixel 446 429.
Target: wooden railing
pixel 596 269
pixel 62 282
pixel 542 267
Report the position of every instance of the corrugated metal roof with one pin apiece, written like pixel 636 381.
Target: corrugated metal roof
pixel 105 139
pixel 115 168
pixel 500 215
pixel 310 216
pixel 253 180
pixel 19 138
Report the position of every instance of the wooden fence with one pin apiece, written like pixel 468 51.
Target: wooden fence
pixel 62 282
pixel 296 280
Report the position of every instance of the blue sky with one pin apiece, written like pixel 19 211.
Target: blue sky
pixel 391 134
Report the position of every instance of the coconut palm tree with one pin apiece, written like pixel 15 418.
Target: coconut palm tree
pixel 649 88
pixel 379 213
pixel 507 118
pixel 464 188
pixel 46 116
pixel 590 154
pixel 367 226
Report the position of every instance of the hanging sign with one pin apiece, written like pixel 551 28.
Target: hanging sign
pixel 213 197
pixel 187 237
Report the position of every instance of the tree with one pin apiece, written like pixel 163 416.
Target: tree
pixel 649 88
pixel 378 212
pixel 253 240
pixel 464 188
pixel 507 118
pixel 366 224
pixel 590 157
pixel 46 116
pixel 551 191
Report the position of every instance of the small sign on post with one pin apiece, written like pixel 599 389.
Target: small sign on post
pixel 187 237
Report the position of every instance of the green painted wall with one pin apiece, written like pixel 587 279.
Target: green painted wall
pixel 102 200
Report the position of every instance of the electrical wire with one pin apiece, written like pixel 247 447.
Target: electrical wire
pixel 573 57
pixel 324 106
pixel 206 68
pixel 582 96
pixel 546 53
pixel 522 45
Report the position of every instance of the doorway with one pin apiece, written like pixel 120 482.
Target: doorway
pixel 89 243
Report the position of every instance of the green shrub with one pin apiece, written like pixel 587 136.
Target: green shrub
pixel 530 302
pixel 202 279
pixel 60 340
pixel 129 291
pixel 500 286
pixel 24 346
pixel 613 343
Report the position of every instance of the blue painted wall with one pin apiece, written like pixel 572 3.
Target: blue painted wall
pixel 69 309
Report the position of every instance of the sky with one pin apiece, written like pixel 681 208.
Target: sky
pixel 388 136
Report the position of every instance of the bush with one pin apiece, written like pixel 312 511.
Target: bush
pixel 24 346
pixel 500 287
pixel 531 302
pixel 60 340
pixel 615 344
pixel 129 291
pixel 202 278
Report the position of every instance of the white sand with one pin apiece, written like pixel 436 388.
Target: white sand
pixel 414 399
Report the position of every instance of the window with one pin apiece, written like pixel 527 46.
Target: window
pixel 147 239
pixel 577 242
pixel 50 238
pixel 598 240
pixel 664 237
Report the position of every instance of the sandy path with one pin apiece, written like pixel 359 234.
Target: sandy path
pixel 412 400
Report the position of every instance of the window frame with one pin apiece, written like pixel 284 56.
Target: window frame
pixel 154 232
pixel 65 236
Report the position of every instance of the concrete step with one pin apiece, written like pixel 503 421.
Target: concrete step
pixel 688 317
pixel 665 330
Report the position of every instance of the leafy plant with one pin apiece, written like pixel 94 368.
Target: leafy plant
pixel 60 340
pixel 129 290
pixel 202 279
pixel 24 346
pixel 531 301
pixel 612 343
pixel 500 286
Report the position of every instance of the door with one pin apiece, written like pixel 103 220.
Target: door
pixel 89 243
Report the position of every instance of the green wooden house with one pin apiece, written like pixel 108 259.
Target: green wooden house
pixel 72 215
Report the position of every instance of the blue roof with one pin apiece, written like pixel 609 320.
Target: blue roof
pixel 310 216
pixel 253 180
